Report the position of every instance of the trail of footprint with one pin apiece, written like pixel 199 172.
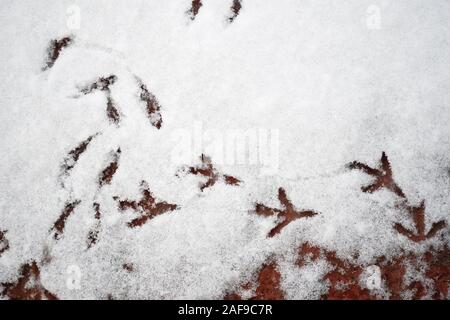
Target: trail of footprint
pixel 235 8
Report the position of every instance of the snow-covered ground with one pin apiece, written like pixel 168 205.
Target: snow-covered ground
pixel 281 98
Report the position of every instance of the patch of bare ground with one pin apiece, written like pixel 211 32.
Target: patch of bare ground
pixel 267 287
pixel 194 9
pixel 28 286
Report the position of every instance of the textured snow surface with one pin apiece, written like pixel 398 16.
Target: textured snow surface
pixel 318 84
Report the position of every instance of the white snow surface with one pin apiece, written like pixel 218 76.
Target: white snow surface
pixel 333 88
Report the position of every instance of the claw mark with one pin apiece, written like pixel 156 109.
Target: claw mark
pixel 147 207
pixel 439 272
pixel 289 213
pixel 344 277
pixel 269 284
pixel 46 256
pixel 72 157
pixel 54 50
pixel 383 176
pixel 103 84
pixel 269 279
pixel 393 273
pixel 344 280
pixel 4 243
pixel 207 170
pixel 235 9
pixel 153 107
pixel 195 7
pixel 307 253
pixel 128 267
pixel 108 173
pixel 28 286
pixel 58 227
pixel 112 112
pixel 418 216
pixel 93 234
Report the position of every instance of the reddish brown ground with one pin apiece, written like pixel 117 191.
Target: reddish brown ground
pixel 268 285
pixel 28 285
pixel 343 280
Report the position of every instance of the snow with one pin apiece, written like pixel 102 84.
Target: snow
pixel 314 81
